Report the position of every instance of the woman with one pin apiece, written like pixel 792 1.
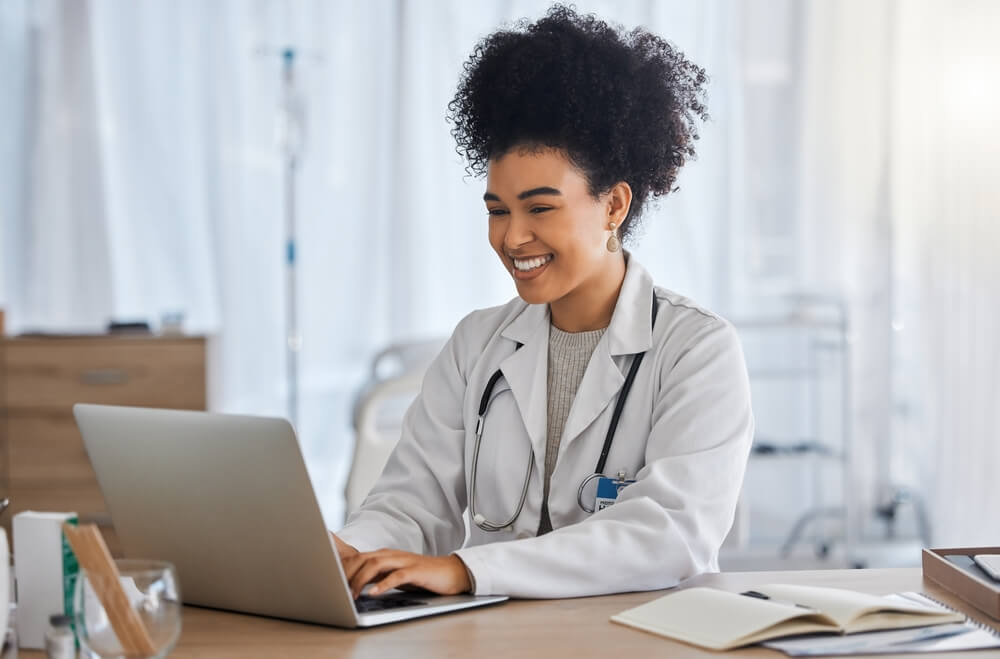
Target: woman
pixel 576 125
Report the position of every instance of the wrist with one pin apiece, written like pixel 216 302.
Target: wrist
pixel 470 579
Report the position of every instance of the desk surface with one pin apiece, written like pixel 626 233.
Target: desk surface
pixel 525 628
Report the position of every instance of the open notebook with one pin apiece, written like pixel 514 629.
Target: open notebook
pixel 721 620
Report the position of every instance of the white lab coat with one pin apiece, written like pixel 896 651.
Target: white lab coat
pixel 684 435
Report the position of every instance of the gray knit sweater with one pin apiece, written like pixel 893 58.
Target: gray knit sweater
pixel 569 354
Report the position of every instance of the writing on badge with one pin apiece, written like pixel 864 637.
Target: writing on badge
pixel 608 490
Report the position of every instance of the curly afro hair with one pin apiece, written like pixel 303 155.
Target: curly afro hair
pixel 621 105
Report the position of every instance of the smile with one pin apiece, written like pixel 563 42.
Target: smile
pixel 527 265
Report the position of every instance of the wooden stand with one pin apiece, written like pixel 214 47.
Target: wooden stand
pixel 102 573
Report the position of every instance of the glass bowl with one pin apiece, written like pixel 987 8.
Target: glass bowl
pixel 153 593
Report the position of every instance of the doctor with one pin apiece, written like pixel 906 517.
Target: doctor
pixel 592 434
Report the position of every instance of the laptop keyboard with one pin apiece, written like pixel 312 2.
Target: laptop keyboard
pixel 365 604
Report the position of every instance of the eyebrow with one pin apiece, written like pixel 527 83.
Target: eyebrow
pixel 544 190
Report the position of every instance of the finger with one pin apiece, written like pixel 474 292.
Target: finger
pixel 392 580
pixel 361 573
pixel 351 564
pixel 354 562
pixel 370 575
pixel 343 549
pixel 375 568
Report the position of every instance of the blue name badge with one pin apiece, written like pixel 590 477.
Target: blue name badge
pixel 608 490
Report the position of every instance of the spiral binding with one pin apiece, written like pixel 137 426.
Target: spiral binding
pixel 972 621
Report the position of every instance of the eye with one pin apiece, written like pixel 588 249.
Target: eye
pixel 493 212
pixel 540 209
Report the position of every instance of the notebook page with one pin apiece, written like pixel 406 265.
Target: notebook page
pixel 848 606
pixel 718 619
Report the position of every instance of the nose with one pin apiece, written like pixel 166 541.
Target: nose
pixel 519 231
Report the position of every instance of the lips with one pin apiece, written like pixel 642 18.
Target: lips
pixel 529 267
pixel 529 264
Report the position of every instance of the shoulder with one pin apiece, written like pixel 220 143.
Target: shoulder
pixel 677 312
pixel 683 325
pixel 679 319
pixel 485 323
pixel 479 328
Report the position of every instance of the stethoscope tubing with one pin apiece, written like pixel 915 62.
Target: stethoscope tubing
pixel 484 404
pixel 579 492
pixel 478 519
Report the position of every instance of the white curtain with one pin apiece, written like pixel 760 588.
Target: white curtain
pixel 946 210
pixel 900 212
pixel 842 203
pixel 850 154
pixel 141 176
pixel 51 112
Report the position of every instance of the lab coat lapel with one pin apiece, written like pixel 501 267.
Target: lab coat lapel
pixel 526 371
pixel 628 333
pixel 601 381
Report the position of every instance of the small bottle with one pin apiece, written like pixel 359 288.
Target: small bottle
pixel 59 640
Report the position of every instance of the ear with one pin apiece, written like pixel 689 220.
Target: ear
pixel 619 199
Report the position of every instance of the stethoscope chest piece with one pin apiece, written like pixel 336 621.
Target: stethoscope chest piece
pixel 579 492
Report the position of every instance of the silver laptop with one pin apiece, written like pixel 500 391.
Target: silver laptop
pixel 228 501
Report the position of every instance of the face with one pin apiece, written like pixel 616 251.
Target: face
pixel 548 230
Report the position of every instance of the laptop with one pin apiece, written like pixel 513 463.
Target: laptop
pixel 227 499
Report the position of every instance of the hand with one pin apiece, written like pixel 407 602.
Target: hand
pixel 390 568
pixel 343 549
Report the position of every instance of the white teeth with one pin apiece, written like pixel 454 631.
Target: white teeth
pixel 530 264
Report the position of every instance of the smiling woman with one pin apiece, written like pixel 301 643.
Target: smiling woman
pixel 553 237
pixel 576 125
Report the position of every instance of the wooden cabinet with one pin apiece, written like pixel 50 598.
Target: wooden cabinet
pixel 43 464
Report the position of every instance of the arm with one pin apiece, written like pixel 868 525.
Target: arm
pixel 416 505
pixel 669 524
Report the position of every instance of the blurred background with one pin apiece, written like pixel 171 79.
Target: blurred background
pixel 278 177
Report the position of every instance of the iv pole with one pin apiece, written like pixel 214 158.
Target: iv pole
pixel 291 143
pixel 290 138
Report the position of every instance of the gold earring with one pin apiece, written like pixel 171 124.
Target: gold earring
pixel 613 243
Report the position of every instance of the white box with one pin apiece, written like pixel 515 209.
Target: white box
pixel 45 569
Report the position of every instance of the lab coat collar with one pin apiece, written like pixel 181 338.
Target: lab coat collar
pixel 526 370
pixel 630 330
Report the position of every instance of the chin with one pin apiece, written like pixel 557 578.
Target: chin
pixel 533 295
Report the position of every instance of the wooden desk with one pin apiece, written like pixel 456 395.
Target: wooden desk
pixel 547 628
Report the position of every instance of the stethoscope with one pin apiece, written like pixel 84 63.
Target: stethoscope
pixel 484 404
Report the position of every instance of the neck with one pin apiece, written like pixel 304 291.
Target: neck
pixel 592 304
